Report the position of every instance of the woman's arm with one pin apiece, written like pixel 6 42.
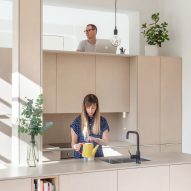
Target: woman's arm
pixel 75 143
pixel 103 141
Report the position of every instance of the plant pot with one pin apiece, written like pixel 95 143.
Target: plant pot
pixel 32 154
pixel 151 50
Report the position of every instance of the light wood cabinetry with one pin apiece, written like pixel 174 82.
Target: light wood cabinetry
pixel 149 179
pixel 171 147
pixel 95 181
pixel 148 99
pixel 16 185
pixel 155 100
pixel 180 177
pixel 171 96
pixel 112 83
pixel 49 82
pixel 75 79
pixel 80 74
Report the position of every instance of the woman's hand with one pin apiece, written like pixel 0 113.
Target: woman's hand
pixel 103 141
pixel 77 147
pixel 93 139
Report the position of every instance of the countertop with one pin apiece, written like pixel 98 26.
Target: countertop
pixel 73 166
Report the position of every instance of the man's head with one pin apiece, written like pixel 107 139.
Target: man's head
pixel 91 31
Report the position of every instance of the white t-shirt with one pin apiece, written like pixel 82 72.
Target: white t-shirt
pixel 85 46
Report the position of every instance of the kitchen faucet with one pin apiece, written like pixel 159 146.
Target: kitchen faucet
pixel 137 156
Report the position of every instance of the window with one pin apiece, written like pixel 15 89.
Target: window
pixel 69 23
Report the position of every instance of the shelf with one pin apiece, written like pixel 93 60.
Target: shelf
pixel 45 184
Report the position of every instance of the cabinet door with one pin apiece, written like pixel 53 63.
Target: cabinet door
pixel 148 179
pixel 94 181
pixel 149 99
pixel 16 185
pixel 171 147
pixel 75 79
pixel 112 83
pixel 49 82
pixel 171 91
pixel 180 177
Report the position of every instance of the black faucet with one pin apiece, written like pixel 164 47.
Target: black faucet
pixel 137 156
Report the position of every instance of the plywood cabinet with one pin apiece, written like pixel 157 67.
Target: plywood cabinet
pixel 16 185
pixel 148 90
pixel 171 96
pixel 69 77
pixel 112 83
pixel 149 179
pixel 49 82
pixel 180 177
pixel 155 99
pixel 94 181
pixel 75 79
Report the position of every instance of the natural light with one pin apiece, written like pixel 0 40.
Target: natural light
pixel 70 23
pixel 63 27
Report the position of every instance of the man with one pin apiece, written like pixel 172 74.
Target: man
pixel 89 44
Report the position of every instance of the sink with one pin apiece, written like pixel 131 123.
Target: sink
pixel 121 160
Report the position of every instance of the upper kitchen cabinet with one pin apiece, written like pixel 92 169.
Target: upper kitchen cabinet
pixel 75 79
pixel 145 98
pixel 149 99
pixel 171 96
pixel 155 99
pixel 68 77
pixel 112 83
pixel 49 82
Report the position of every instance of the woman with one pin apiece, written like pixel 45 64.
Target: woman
pixel 89 127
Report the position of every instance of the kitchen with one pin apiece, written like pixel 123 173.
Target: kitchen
pixel 32 63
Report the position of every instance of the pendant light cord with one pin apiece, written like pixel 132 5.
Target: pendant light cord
pixel 115 11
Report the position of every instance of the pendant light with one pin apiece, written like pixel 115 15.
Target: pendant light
pixel 116 41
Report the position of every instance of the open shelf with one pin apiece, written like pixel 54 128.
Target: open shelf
pixel 45 184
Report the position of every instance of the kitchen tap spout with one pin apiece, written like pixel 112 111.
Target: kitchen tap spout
pixel 138 154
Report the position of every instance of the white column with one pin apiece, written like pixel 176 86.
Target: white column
pixel 26 67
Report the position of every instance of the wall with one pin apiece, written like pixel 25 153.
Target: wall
pixel 143 8
pixel 177 13
pixel 5 104
pixel 60 132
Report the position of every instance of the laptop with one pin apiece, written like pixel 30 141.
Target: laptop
pixel 105 46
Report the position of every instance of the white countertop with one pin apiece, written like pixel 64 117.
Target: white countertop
pixel 80 166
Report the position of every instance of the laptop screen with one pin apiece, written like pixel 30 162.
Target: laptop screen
pixel 105 46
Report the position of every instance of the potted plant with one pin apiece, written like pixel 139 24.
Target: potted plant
pixel 31 123
pixel 155 33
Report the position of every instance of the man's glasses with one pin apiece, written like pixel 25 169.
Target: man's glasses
pixel 88 30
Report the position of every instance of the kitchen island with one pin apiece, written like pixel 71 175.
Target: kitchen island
pixel 164 172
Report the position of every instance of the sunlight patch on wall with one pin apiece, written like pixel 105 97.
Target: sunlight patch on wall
pixel 29 88
pixel 5 93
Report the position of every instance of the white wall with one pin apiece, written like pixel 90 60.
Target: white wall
pixel 5 105
pixel 178 14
